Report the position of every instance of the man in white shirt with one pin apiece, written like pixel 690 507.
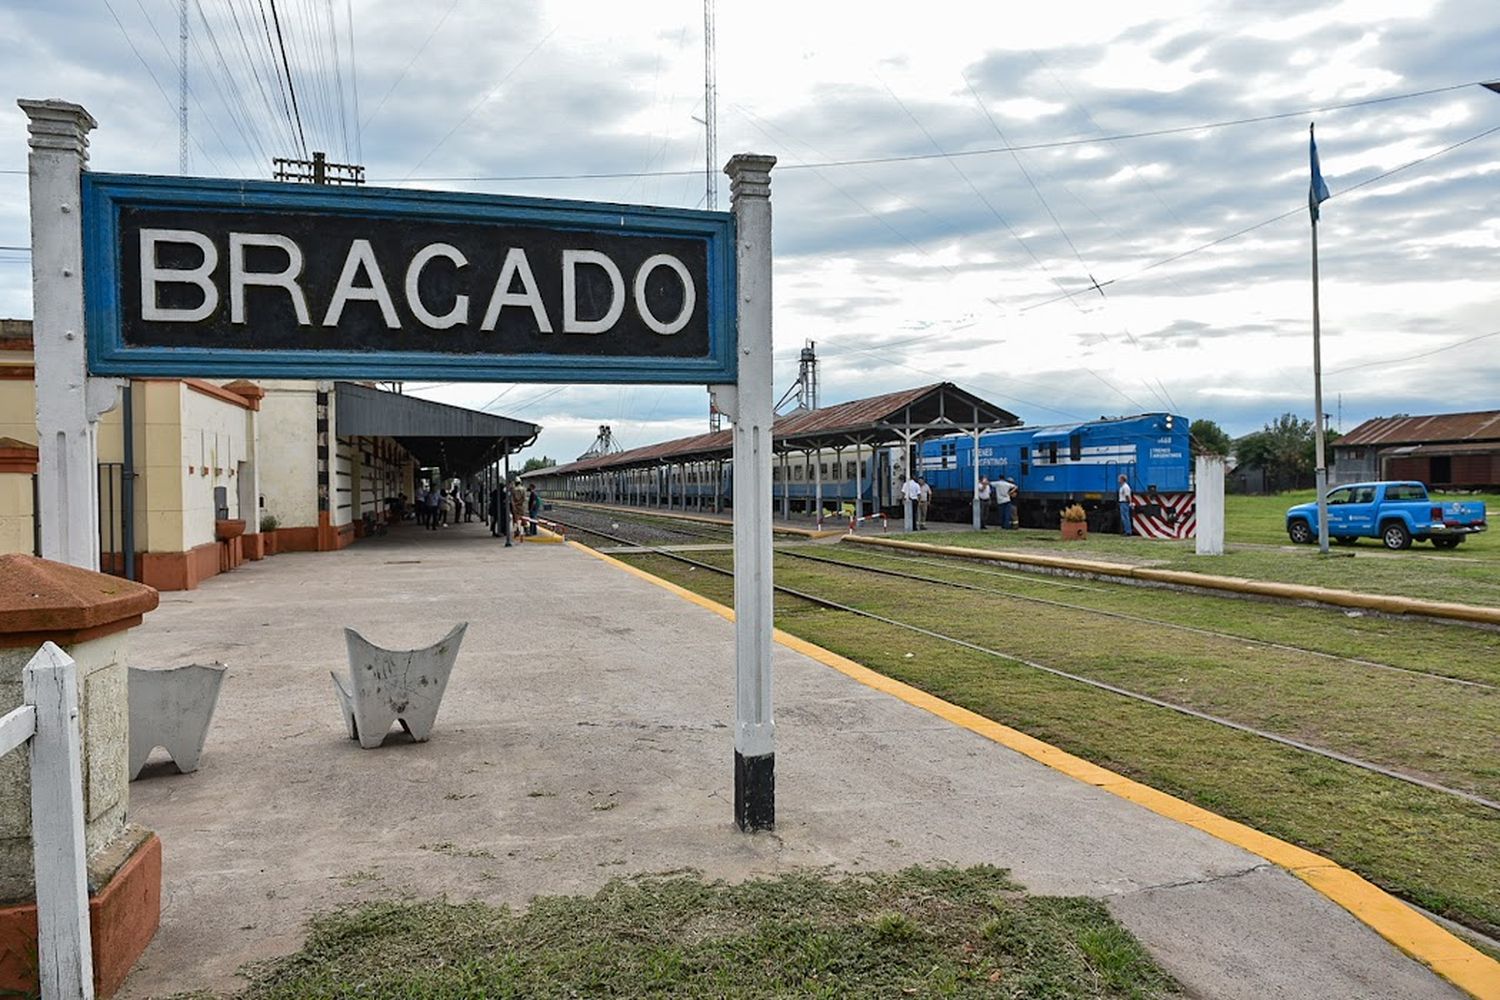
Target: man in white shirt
pixel 982 493
pixel 1005 491
pixel 911 491
pixel 924 501
pixel 1125 526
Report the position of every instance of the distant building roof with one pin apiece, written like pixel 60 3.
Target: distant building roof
pixel 1439 427
pixel 940 408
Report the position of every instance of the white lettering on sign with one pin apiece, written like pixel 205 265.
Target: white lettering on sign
pixel 285 278
pixel 460 311
pixel 362 280
pixel 689 298
pixel 152 274
pixel 361 257
pixel 516 266
pixel 571 323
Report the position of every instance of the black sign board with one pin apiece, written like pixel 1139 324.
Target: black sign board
pixel 258 279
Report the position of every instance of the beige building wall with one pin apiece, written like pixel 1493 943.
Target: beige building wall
pixel 289 450
pixel 16 531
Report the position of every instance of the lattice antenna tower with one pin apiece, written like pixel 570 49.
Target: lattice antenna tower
pixel 710 111
pixel 182 87
pixel 604 444
pixel 807 378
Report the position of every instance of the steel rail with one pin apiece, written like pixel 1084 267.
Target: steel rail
pixel 1286 741
pixel 1139 619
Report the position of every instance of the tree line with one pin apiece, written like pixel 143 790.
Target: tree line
pixel 1284 450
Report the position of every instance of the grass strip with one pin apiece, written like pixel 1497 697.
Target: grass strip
pixel 1427 847
pixel 1258 549
pixel 1440 648
pixel 1397 720
pixel 919 932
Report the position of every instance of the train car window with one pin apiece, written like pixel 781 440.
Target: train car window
pixel 1025 453
pixel 1075 448
pixel 850 473
pixel 775 474
pixel 1052 453
pixel 823 469
pixel 797 473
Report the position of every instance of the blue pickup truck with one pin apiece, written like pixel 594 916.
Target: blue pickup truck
pixel 1397 513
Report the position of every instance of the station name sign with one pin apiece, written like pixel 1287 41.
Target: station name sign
pixel 188 276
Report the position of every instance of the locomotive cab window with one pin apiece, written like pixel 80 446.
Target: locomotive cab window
pixel 1075 448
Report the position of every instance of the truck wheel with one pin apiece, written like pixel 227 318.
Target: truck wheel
pixel 1299 531
pixel 1395 536
pixel 1446 543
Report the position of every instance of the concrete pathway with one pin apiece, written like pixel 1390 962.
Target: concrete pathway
pixel 585 735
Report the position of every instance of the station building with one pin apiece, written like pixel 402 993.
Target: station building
pixel 212 474
pixel 1445 450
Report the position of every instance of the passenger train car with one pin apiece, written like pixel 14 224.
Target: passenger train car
pixel 1074 463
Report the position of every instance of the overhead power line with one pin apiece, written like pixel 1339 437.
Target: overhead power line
pixel 984 151
pixel 1277 218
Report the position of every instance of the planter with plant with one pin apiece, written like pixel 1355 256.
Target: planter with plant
pixel 1075 523
pixel 268 526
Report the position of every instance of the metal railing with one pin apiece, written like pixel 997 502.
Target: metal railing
pixel 47 723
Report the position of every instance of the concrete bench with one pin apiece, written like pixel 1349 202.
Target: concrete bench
pixel 394 685
pixel 172 709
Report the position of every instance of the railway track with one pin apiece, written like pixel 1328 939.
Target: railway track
pixel 1115 689
pixel 1125 616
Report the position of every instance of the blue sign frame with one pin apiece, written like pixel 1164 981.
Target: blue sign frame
pixel 104 195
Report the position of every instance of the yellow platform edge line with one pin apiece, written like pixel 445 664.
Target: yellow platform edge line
pixel 1410 931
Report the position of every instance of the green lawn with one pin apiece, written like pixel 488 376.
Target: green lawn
pixel 1429 847
pixel 921 932
pixel 1257 548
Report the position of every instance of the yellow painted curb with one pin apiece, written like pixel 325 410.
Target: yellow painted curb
pixel 784 529
pixel 1413 933
pixel 1387 604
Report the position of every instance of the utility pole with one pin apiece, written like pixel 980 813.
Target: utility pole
pixel 182 88
pixel 710 111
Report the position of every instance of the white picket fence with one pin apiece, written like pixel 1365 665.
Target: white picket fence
pixel 47 720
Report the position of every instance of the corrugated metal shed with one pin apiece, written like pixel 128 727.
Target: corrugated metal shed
pixel 1434 429
pixel 940 408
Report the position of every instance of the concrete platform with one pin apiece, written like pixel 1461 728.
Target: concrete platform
pixel 585 735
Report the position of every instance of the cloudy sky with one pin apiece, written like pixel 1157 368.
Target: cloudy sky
pixel 1005 162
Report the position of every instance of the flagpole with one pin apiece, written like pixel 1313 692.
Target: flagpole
pixel 1320 468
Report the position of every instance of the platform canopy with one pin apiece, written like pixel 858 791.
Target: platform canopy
pixel 903 417
pixel 455 439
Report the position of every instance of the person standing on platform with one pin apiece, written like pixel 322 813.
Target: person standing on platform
pixel 1125 525
pixel 984 493
pixel 518 511
pixel 533 508
pixel 1005 495
pixel 433 509
pixel 924 501
pixel 911 492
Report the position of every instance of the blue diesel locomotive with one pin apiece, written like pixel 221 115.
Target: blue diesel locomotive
pixel 1074 463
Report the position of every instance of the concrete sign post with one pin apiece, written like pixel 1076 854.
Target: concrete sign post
pixel 1208 480
pixel 749 406
pixel 68 402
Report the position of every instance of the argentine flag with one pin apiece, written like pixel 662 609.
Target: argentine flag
pixel 1317 191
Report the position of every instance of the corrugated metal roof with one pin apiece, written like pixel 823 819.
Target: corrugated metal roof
pixel 1440 427
pixel 873 420
pixel 370 412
